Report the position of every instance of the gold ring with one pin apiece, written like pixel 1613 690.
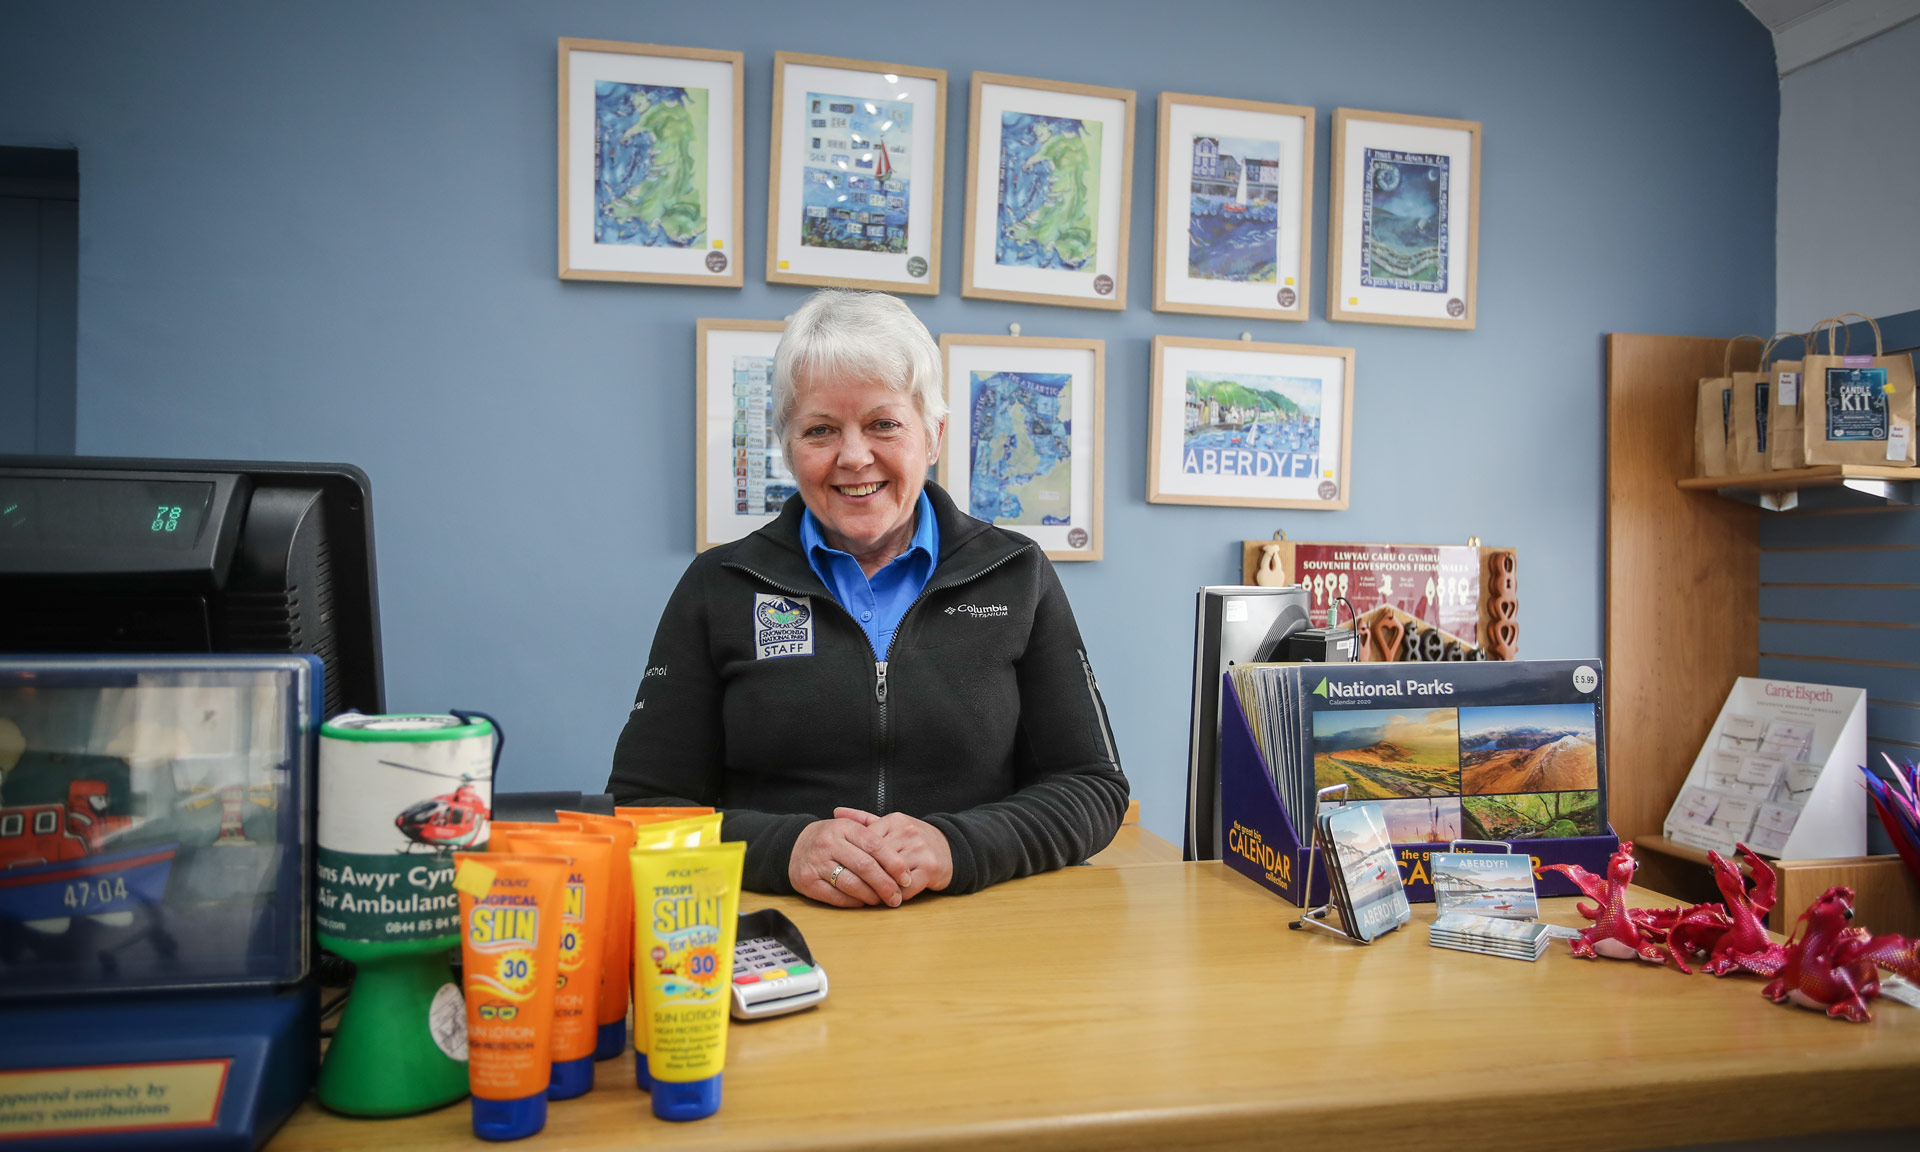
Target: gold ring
pixel 833 878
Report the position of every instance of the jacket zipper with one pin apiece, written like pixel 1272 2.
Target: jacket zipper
pixel 1100 708
pixel 880 665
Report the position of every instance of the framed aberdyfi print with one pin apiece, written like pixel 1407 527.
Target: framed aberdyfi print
pixel 1405 225
pixel 1024 425
pixel 854 195
pixel 1254 425
pixel 1235 208
pixel 650 163
pixel 1049 188
pixel 741 476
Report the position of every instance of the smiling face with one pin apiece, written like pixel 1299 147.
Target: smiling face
pixel 860 453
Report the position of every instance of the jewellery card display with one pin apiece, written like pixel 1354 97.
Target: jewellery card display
pixel 853 196
pixel 1235 208
pixel 741 478
pixel 1405 223
pixel 650 163
pixel 1412 601
pixel 1509 751
pixel 1025 437
pixel 1049 191
pixel 1776 773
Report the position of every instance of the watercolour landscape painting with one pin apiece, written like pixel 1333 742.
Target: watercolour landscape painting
pixel 1049 192
pixel 761 479
pixel 856 193
pixel 1403 221
pixel 1233 214
pixel 1243 424
pixel 650 165
pixel 1021 455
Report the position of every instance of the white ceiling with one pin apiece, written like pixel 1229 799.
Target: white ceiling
pixel 1808 30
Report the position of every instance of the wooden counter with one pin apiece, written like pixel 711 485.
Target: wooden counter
pixel 1169 1005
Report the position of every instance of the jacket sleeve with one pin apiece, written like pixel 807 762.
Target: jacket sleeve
pixel 1071 793
pixel 673 748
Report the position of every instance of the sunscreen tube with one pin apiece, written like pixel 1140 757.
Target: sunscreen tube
pixel 686 911
pixel 583 929
pixel 690 832
pixel 656 815
pixel 616 958
pixel 509 950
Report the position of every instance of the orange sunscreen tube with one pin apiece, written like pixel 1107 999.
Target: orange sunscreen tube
pixel 686 910
pixel 583 915
pixel 509 950
pixel 616 957
pixel 690 832
pixel 656 815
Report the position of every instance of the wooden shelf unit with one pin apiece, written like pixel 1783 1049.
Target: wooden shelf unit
pixel 1780 491
pixel 1682 618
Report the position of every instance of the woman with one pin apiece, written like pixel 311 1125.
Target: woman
pixel 884 695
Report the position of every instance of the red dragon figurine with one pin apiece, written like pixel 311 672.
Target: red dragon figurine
pixel 1618 932
pixel 1833 967
pixel 1734 937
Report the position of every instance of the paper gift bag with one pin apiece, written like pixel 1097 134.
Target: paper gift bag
pixel 1858 409
pixel 1713 417
pixel 1752 412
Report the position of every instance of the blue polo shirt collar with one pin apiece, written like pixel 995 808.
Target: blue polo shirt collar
pixel 879 604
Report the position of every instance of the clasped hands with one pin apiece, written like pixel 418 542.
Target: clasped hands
pixel 858 859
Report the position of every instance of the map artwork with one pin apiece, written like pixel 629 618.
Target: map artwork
pixel 1239 424
pixel 649 165
pixel 1233 230
pixel 761 482
pixel 854 184
pixel 1049 192
pixel 1022 450
pixel 1403 221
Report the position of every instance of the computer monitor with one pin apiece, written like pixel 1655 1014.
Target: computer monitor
pixel 1233 624
pixel 106 555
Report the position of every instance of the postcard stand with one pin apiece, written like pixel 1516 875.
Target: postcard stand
pixel 1317 917
pixel 1262 845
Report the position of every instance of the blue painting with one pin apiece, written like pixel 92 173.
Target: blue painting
pixel 1403 221
pixel 1049 195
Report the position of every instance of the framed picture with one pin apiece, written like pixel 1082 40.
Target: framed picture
pixel 1253 425
pixel 741 478
pixel 854 196
pixel 1024 426
pixel 1405 225
pixel 1235 208
pixel 650 163
pixel 1049 190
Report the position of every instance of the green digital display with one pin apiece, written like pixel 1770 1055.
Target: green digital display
pixel 46 512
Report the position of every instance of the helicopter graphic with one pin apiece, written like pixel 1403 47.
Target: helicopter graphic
pixel 457 819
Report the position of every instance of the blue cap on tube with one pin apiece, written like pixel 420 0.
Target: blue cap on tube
pixel 610 1041
pixel 509 1119
pixel 570 1078
pixel 693 1100
pixel 641 1076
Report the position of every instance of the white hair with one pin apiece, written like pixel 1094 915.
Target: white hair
pixel 865 335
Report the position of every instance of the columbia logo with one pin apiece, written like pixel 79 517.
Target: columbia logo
pixel 977 610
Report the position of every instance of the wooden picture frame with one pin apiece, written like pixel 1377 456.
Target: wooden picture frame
pixel 1017 382
pixel 1421 274
pixel 740 474
pixel 679 223
pixel 1246 424
pixel 1067 249
pixel 890 127
pixel 1233 218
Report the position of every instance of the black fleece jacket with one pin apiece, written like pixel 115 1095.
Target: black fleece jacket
pixel 764 698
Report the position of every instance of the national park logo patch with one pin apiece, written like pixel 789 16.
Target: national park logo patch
pixel 782 626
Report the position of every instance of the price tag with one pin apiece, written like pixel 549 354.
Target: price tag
pixel 1789 389
pixel 474 878
pixel 1897 440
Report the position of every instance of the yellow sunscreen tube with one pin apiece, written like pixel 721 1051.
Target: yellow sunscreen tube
pixel 616 957
pixel 584 917
pixel 690 832
pixel 686 909
pixel 509 950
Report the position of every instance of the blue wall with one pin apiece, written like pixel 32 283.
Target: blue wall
pixel 327 232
